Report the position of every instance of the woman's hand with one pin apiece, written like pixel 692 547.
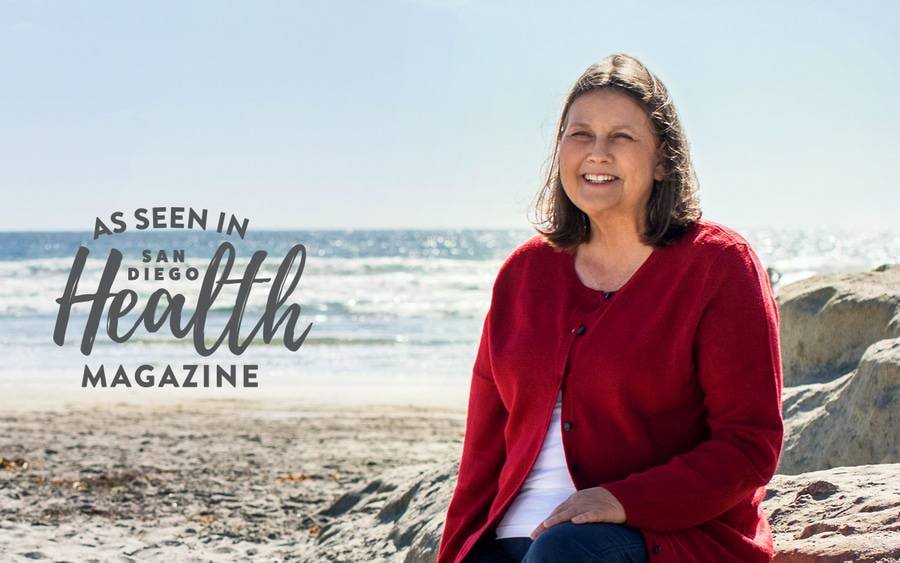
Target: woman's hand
pixel 587 505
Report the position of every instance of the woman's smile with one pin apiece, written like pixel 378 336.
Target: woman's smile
pixel 599 180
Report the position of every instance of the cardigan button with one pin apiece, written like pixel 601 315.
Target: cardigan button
pixel 567 426
pixel 657 548
pixel 574 467
pixel 580 330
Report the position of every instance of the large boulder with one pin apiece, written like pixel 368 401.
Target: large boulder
pixel 828 321
pixel 853 420
pixel 841 359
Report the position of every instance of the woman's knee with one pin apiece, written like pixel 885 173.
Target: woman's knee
pixel 595 542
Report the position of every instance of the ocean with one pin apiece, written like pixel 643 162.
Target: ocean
pixel 385 305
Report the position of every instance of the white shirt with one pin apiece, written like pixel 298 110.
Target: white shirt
pixel 547 485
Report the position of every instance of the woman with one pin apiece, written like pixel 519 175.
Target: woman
pixel 625 402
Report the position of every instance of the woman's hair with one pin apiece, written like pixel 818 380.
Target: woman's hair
pixel 673 205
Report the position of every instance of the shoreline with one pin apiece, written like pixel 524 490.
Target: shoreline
pixel 441 394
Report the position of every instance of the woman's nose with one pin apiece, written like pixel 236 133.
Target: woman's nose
pixel 599 150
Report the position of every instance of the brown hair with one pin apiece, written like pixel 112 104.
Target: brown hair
pixel 673 205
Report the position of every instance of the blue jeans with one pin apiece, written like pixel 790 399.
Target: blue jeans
pixel 593 542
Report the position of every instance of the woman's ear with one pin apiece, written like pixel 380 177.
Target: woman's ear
pixel 659 173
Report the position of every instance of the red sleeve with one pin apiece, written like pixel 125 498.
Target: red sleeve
pixel 737 360
pixel 483 455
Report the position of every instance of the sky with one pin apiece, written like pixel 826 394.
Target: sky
pixel 431 113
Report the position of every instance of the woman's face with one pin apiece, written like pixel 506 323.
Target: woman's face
pixel 608 133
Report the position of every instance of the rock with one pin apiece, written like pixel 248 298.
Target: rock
pixel 397 517
pixel 828 321
pixel 841 358
pixel 837 515
pixel 852 420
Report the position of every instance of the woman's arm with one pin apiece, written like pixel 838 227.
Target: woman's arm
pixel 484 452
pixel 738 364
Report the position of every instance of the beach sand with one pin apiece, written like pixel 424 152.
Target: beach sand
pixel 198 480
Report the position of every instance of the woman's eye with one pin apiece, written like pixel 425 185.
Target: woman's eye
pixel 587 134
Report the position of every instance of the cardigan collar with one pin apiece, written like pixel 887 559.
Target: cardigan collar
pixel 591 295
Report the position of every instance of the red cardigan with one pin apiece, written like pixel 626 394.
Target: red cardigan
pixel 672 388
